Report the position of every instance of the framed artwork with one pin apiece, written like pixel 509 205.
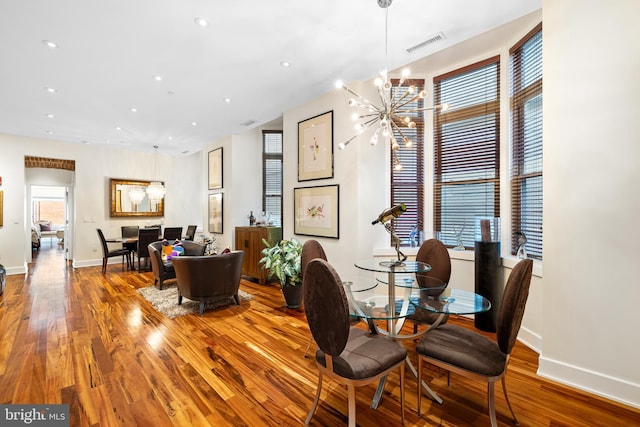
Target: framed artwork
pixel 215 213
pixel 316 211
pixel 315 147
pixel 215 169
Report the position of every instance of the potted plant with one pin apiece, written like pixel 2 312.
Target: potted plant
pixel 283 262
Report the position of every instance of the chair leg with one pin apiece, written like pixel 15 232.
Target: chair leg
pixel 308 346
pixel 351 391
pixel 504 388
pixel 104 265
pixel 402 371
pixel 179 299
pixel 201 308
pixel 419 381
pixel 315 401
pixel 492 404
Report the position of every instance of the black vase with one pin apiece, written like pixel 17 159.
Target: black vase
pixel 292 295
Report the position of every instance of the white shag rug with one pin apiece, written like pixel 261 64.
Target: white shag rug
pixel 166 301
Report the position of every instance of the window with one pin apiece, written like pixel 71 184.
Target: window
pixel 272 175
pixel 467 150
pixel 407 184
pixel 526 143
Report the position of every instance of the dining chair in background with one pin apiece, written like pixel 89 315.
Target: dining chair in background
pixel 129 231
pixel 345 354
pixel 468 353
pixel 110 253
pixel 434 253
pixel 172 233
pixel 145 236
pixel 191 232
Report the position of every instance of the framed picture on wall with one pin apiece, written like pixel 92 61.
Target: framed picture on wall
pixel 215 213
pixel 315 147
pixel 215 169
pixel 316 211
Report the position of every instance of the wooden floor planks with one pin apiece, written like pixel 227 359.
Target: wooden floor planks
pixel 90 340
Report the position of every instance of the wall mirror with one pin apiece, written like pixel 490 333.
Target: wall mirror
pixel 130 198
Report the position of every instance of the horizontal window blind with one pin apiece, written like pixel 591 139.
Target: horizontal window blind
pixel 467 150
pixel 272 175
pixel 407 184
pixel 526 143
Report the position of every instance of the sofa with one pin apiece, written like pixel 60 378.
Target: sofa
pixel 162 268
pixel 209 278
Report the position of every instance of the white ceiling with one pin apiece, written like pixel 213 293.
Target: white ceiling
pixel 109 52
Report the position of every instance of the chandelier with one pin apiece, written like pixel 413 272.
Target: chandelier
pixel 155 190
pixel 394 111
pixel 136 195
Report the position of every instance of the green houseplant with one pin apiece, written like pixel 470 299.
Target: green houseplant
pixel 283 262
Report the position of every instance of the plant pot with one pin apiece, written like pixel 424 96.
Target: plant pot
pixel 292 295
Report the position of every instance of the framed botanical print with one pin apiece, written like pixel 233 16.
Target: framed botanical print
pixel 315 147
pixel 316 211
pixel 215 169
pixel 215 213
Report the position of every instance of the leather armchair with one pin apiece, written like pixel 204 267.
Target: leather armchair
pixel 209 278
pixel 163 270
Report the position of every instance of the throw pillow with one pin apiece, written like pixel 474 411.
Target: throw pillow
pixel 45 227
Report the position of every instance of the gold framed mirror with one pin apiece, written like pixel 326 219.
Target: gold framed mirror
pixel 130 198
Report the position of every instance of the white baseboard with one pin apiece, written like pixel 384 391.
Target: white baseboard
pixel 616 389
pixel 530 339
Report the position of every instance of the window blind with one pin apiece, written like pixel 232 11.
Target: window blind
pixel 467 150
pixel 272 175
pixel 407 184
pixel 526 142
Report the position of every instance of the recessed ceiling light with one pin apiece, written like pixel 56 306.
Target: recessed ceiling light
pixel 49 43
pixel 50 132
pixel 50 89
pixel 202 22
pixel 157 78
pixel 50 116
pixel 194 124
pixel 134 110
pixel 285 64
pixel 170 137
pixel 227 100
pixel 118 128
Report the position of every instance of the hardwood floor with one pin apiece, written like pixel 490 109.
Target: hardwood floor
pixel 90 340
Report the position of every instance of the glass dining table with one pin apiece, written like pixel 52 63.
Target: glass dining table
pixel 395 294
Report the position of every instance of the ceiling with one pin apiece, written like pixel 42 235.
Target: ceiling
pixel 110 52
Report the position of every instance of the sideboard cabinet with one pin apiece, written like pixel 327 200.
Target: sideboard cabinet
pixel 249 240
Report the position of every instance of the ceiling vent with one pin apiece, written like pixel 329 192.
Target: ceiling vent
pixel 248 123
pixel 435 38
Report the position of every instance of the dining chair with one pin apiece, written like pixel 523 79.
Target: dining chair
pixel 434 253
pixel 468 353
pixel 172 233
pixel 110 253
pixel 145 236
pixel 348 355
pixel 191 232
pixel 311 249
pixel 129 231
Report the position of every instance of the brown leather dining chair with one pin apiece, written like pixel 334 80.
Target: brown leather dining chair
pixel 468 353
pixel 130 231
pixel 348 355
pixel 311 249
pixel 191 232
pixel 110 253
pixel 172 233
pixel 145 236
pixel 434 253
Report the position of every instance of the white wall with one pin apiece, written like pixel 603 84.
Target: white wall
pixel 591 197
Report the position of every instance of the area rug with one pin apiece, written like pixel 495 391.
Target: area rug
pixel 166 301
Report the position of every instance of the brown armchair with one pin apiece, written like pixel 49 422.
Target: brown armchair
pixel 208 278
pixel 163 270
